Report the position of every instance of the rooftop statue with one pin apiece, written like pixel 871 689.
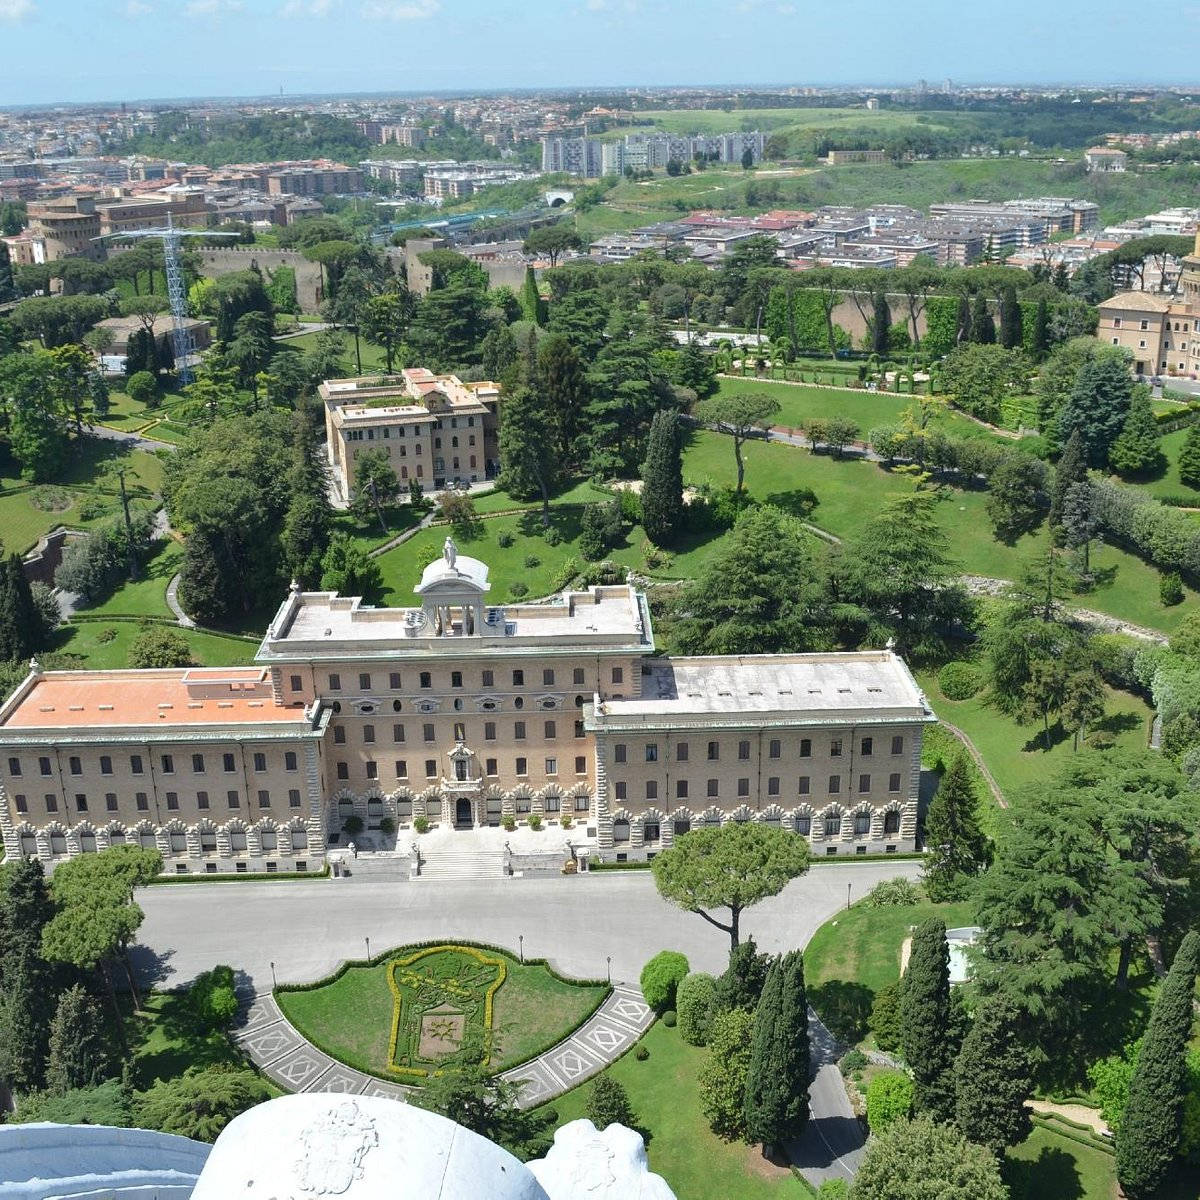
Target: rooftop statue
pixel 450 552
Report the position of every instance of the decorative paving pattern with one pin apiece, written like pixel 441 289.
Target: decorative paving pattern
pixel 280 1052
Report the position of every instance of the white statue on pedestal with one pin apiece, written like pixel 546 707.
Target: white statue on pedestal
pixel 450 553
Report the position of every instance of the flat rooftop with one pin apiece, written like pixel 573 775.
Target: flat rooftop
pixel 874 682
pixel 331 626
pixel 191 696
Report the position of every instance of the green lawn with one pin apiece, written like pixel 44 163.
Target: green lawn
pixel 351 1018
pixel 1168 484
pixel 1014 753
pixel 373 358
pixel 1047 1164
pixel 857 952
pixel 849 492
pixel 165 1041
pixel 682 1149
pixel 147 595
pixel 104 645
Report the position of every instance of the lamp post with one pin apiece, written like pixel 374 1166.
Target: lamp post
pixel 848 887
pixel 608 960
pixel 368 941
pixel 521 944
pixel 274 982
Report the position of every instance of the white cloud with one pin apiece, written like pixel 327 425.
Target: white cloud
pixel 400 10
pixel 210 8
pixel 15 10
pixel 306 8
pixel 138 8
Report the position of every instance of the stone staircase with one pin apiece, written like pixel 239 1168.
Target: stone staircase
pixel 379 867
pixel 444 860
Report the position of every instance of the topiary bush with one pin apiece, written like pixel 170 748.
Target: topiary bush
pixel 1170 589
pixel 608 1104
pixel 213 999
pixel 889 1098
pixel 352 825
pixel 421 824
pixel 695 1004
pixel 641 1054
pixel 660 979
pixel 669 1018
pixel 518 589
pixel 885 1021
pixel 889 892
pixel 531 561
pixel 387 826
pixel 504 539
pixel 552 537
pixel 960 680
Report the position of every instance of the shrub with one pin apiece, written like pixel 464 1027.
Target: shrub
pixel 46 604
pixel 641 1054
pixel 421 824
pixel 504 539
pixel 1113 654
pixel 387 826
pixel 531 561
pixel 960 680
pixel 889 1098
pixel 660 979
pixel 1170 589
pixel 508 824
pixel 518 589
pixel 834 1189
pixel 722 1078
pixel 552 537
pixel 668 1018
pixel 608 1104
pixel 853 1060
pixel 566 820
pixel 158 646
pixel 885 1021
pixel 352 825
pixel 535 820
pixel 142 388
pixel 893 892
pixel 213 999
pixel 696 1002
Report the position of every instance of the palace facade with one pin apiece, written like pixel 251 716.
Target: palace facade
pixel 464 713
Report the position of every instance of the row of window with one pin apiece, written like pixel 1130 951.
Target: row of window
pixel 487 679
pixel 491 768
pixel 233 799
pixel 713 786
pixel 774 749
pixel 494 806
pixel 177 843
pixel 429 732
pixel 356 435
pixel 652 830
pixel 137 764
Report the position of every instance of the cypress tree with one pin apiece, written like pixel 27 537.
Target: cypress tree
pixel 881 323
pixel 741 985
pixel 1041 329
pixel 1072 469
pixel 1148 1136
pixel 21 630
pixel 962 322
pixel 983 328
pixel 925 1008
pixel 1189 458
pixel 76 1043
pixel 1010 319
pixel 662 480
pixel 957 847
pixel 993 1077
pixel 777 1077
pixel 1136 449
pixel 206 591
pixel 533 307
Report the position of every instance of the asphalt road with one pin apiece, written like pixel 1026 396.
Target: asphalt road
pixel 307 929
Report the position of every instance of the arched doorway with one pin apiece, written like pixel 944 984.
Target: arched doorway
pixel 463 814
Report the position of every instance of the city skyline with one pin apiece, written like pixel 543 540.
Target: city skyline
pixel 140 50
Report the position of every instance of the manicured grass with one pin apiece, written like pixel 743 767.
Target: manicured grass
pixel 145 596
pixel 851 491
pixel 857 953
pixel 1047 1165
pixel 696 1163
pixel 351 1018
pixel 1015 754
pixel 373 358
pixel 365 530
pixel 166 1040
pixel 104 645
pixel 1169 483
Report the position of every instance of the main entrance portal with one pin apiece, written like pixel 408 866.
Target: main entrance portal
pixel 462 813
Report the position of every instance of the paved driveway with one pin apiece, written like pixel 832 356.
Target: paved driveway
pixel 308 928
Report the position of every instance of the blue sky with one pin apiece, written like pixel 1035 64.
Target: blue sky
pixel 130 49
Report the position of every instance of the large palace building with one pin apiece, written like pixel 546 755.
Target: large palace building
pixel 463 713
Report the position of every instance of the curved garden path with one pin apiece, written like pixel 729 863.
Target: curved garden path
pixel 281 1052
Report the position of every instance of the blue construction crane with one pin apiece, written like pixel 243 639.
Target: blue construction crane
pixel 181 337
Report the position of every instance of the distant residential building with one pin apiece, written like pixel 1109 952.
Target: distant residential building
pixel 318 177
pixel 591 158
pixel 400 173
pixel 1105 160
pixel 837 157
pixel 434 429
pixel 122 328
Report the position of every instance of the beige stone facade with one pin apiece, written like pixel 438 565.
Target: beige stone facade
pixel 435 429
pixel 1161 332
pixel 465 714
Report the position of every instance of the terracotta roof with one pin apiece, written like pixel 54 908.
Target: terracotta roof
pixel 1140 302
pixel 221 696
